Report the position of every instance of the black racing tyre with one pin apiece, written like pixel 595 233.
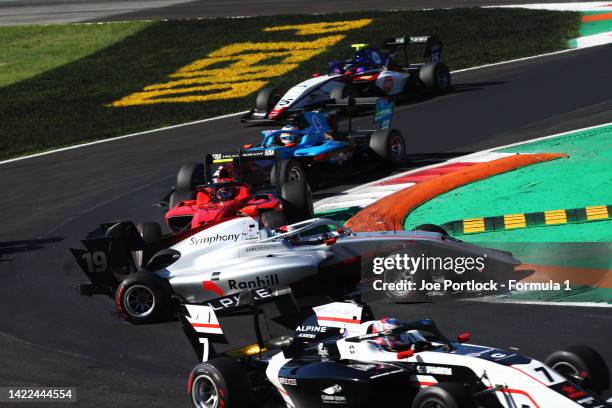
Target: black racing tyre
pixel 220 383
pixel 189 176
pixel 297 198
pixel 273 220
pixel 343 91
pixel 151 234
pixel 178 197
pixel 583 365
pixel 431 228
pixel 267 98
pixel 436 76
pixel 443 395
pixel 289 170
pixel 402 294
pixel 389 145
pixel 143 297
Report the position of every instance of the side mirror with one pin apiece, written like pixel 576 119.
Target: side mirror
pixel 330 241
pixel 463 337
pixel 405 354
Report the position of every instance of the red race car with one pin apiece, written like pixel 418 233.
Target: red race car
pixel 201 198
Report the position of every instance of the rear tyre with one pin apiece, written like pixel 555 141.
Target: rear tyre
pixel 273 220
pixel 343 91
pixel 267 98
pixel 178 197
pixel 297 201
pixel 443 395
pixel 189 176
pixel 431 228
pixel 389 146
pixel 436 76
pixel 151 234
pixel 583 365
pixel 288 171
pixel 220 383
pixel 143 298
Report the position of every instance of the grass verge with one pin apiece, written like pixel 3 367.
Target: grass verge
pixel 56 82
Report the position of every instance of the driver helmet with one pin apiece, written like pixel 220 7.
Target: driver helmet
pixel 289 138
pixel 394 342
pixel 225 193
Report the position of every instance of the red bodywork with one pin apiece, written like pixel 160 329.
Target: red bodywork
pixel 208 208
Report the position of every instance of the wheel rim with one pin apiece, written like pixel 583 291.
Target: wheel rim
pixel 397 147
pixel 567 370
pixel 294 174
pixel 443 79
pixel 139 301
pixel 204 392
pixel 432 404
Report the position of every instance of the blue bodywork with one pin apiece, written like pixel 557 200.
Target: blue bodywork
pixel 311 141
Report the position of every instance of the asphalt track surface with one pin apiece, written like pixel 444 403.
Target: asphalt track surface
pixel 49 335
pixel 69 11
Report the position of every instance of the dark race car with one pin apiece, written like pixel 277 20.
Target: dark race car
pixel 342 356
pixel 371 72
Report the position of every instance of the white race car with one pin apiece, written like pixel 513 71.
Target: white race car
pixel 341 356
pixel 371 72
pixel 313 257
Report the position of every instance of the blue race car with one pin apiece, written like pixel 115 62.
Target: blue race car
pixel 316 151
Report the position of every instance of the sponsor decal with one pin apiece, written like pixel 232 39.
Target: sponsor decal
pixel 330 396
pixel 363 367
pixel 213 239
pixel 434 370
pixel 572 392
pixel 233 301
pixel 287 381
pixel 267 280
pixel 258 248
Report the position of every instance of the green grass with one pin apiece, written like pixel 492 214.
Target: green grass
pixel 27 51
pixel 580 180
pixel 57 81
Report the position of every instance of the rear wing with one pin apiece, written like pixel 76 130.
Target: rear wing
pixel 277 319
pixel 433 46
pixel 239 159
pixel 217 327
pixel 383 108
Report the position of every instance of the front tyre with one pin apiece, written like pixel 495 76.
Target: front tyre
pixel 297 201
pixel 401 278
pixel 267 98
pixel 389 146
pixel 220 383
pixel 287 171
pixel 189 176
pixel 151 234
pixel 583 365
pixel 443 395
pixel 142 298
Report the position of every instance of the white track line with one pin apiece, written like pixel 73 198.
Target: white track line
pixel 112 139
